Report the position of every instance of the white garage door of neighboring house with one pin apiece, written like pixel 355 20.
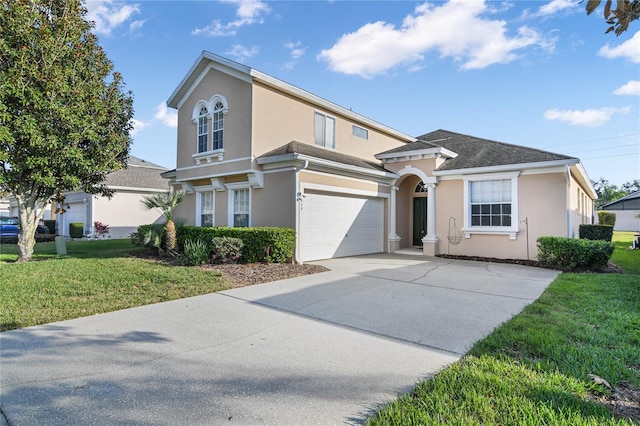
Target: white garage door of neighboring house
pixel 333 225
pixel 77 212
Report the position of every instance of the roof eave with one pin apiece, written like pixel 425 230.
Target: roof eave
pixel 425 153
pixel 507 167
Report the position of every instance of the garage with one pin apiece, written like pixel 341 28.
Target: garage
pixel 76 212
pixel 334 225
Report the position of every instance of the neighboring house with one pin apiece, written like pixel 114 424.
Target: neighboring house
pixel 627 210
pixel 4 206
pixel 253 150
pixel 123 212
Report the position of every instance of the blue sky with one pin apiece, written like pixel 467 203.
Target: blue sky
pixel 533 73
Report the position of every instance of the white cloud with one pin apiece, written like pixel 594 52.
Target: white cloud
pixel 588 117
pixel 138 126
pixel 632 88
pixel 249 12
pixel 242 53
pixel 107 14
pixel 296 50
pixel 555 6
pixel 456 29
pixel 630 49
pixel 136 25
pixel 168 117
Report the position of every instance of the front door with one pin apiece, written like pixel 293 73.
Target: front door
pixel 419 220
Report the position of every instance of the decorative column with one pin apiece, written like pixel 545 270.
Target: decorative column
pixel 430 241
pixel 394 238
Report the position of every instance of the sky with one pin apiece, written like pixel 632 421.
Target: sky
pixel 540 74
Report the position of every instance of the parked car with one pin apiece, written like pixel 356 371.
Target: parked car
pixel 8 227
pixel 42 229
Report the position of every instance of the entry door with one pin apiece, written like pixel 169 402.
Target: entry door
pixel 419 220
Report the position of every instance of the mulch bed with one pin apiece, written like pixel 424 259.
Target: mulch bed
pixel 240 275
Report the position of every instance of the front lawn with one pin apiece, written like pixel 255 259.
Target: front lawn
pixel 94 277
pixel 542 366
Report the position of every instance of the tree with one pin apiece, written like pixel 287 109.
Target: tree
pixel 64 115
pixel 631 186
pixel 619 18
pixel 606 191
pixel 166 202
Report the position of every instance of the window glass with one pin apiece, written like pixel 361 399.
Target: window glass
pixel 359 132
pixel 206 209
pixel 490 203
pixel 241 208
pixel 203 130
pixel 218 126
pixel 324 130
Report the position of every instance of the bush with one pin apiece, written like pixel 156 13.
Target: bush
pixel 195 253
pixel 606 218
pixel 225 249
pixel 569 253
pixel 76 229
pixel 267 244
pixel 144 232
pixel 51 225
pixel 596 232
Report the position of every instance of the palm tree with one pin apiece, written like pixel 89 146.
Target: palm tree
pixel 166 202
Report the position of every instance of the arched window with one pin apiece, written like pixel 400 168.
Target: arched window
pixel 420 188
pixel 203 129
pixel 218 126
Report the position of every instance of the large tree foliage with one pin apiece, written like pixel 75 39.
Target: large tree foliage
pixel 619 18
pixel 64 115
pixel 608 192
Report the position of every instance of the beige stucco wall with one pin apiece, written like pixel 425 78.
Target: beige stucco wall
pixel 279 118
pixel 581 206
pixel 274 205
pixel 541 201
pixel 185 212
pixel 237 122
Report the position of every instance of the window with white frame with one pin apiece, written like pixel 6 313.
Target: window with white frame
pixel 205 210
pixel 325 130
pixel 241 207
pixel 218 126
pixel 490 203
pixel 203 129
pixel 359 132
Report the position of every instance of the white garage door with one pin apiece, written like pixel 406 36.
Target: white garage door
pixel 332 225
pixel 76 212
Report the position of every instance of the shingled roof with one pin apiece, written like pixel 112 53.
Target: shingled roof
pixel 295 147
pixel 139 174
pixel 476 152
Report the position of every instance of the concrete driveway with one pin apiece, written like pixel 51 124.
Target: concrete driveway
pixel 322 349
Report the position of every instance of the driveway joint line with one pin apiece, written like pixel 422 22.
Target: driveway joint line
pixel 361 330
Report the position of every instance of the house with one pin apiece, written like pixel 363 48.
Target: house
pixel 627 210
pixel 123 212
pixel 253 150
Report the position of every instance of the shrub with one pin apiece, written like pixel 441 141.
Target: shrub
pixel 195 253
pixel 51 225
pixel 76 229
pixel 101 229
pixel 225 249
pixel 569 253
pixel 606 218
pixel 266 244
pixel 148 232
pixel 596 232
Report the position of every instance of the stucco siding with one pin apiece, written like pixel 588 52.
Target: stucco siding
pixel 279 118
pixel 237 122
pixel 274 205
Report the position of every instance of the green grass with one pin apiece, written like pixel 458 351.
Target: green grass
pixel 535 369
pixel 94 277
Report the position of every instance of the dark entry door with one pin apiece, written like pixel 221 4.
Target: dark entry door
pixel 419 220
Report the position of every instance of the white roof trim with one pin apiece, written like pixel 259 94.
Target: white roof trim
pixel 326 163
pixel 506 167
pixel 427 152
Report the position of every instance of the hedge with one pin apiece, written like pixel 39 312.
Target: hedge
pixel 606 218
pixel 596 232
pixel 570 253
pixel 51 225
pixel 76 229
pixel 267 244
